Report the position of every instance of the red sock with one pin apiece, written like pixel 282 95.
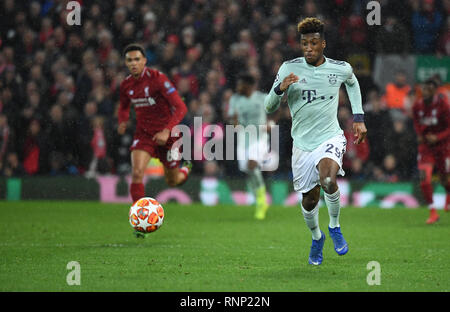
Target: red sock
pixel 185 172
pixel 427 191
pixel 433 212
pixel 137 191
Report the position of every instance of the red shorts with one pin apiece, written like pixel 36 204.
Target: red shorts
pixel 143 141
pixel 437 156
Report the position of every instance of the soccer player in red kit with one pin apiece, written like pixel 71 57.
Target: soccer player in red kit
pixel 431 116
pixel 158 109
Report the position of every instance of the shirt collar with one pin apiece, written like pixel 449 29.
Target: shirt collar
pixel 320 66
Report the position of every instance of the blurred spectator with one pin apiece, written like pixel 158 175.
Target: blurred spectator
pixel 378 122
pixel 388 173
pixel 396 92
pixel 34 151
pixel 211 168
pixel 214 88
pixel 58 130
pixel 334 44
pixel 9 106
pixel 357 171
pixel 98 147
pixel 443 88
pixel 56 163
pixel 186 73
pixel 443 46
pixel 65 76
pixel 278 19
pixel 12 166
pixel 85 135
pixel 5 140
pixel 353 32
pixel 169 55
pixel 426 23
pixel 105 45
pixel 392 37
pixel 400 142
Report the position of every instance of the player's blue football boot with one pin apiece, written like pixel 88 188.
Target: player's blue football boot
pixel 315 255
pixel 340 245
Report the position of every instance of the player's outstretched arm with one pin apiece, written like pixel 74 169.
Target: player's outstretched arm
pixel 354 95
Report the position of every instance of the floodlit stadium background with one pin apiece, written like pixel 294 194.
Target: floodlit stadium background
pixel 59 82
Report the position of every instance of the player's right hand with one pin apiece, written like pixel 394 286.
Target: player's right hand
pixel 287 81
pixel 122 128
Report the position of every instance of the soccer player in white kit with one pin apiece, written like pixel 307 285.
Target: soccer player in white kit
pixel 312 85
pixel 247 109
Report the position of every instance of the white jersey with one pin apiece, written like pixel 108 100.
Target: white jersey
pixel 313 100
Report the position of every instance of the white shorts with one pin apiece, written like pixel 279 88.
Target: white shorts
pixel 257 151
pixel 304 164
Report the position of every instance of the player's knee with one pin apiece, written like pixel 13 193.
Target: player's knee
pixel 171 182
pixel 137 174
pixel 328 184
pixel 309 202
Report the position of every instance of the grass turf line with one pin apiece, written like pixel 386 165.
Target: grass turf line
pixel 220 248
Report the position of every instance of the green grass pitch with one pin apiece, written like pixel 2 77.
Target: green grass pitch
pixel 221 248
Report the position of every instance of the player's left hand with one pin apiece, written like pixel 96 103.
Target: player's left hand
pixel 161 137
pixel 360 132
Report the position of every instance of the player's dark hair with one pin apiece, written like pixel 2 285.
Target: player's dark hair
pixel 134 47
pixel 311 25
pixel 246 78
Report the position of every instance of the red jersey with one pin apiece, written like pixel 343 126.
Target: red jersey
pixel 433 118
pixel 155 99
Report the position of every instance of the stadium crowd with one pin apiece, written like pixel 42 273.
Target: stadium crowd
pixel 59 84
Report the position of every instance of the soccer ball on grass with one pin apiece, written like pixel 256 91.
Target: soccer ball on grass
pixel 146 215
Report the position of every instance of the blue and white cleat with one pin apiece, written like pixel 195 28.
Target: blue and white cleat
pixel 340 245
pixel 315 256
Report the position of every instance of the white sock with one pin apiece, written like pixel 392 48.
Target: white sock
pixel 312 221
pixel 334 207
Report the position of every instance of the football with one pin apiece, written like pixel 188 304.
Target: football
pixel 146 215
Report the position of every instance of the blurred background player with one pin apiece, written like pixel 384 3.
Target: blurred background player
pixel 431 116
pixel 158 109
pixel 247 109
pixel 312 84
